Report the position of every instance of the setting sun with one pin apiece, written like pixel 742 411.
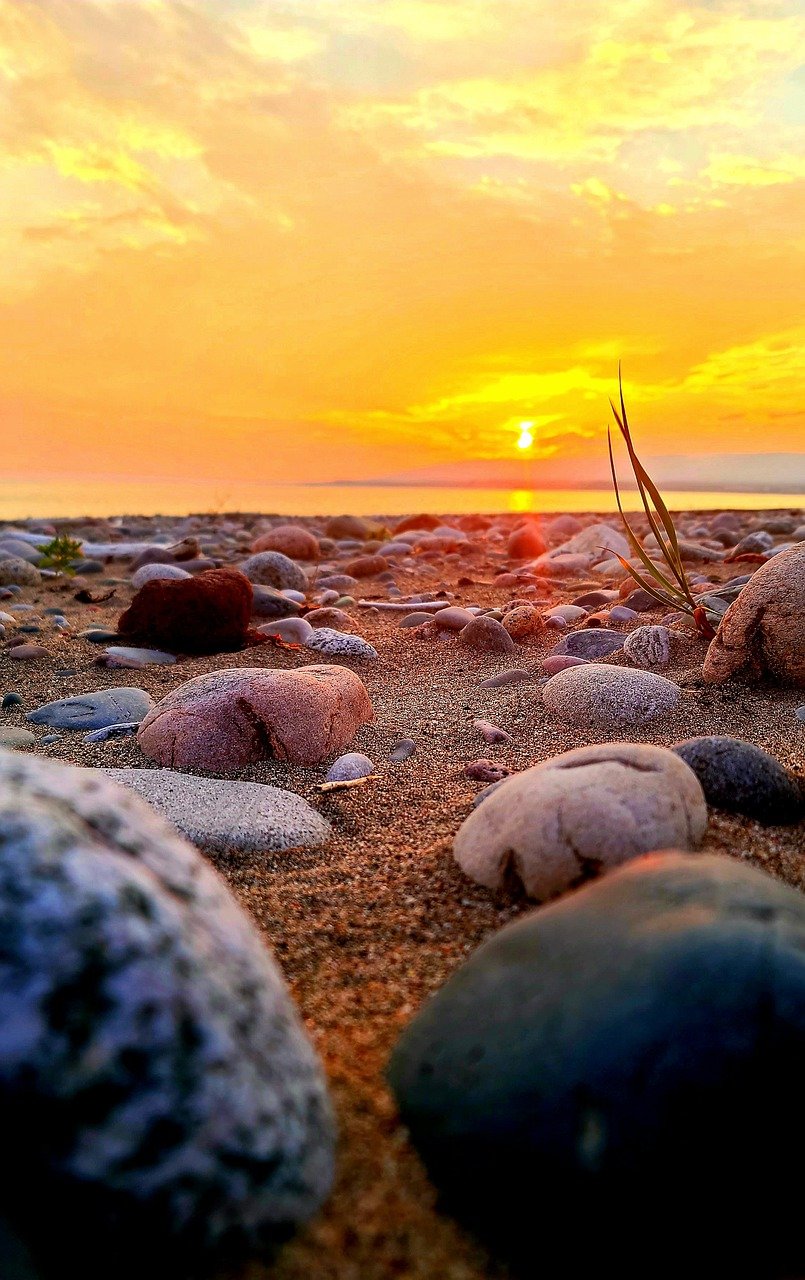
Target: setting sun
pixel 526 438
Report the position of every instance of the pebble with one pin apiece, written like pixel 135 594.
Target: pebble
pixel 151 572
pixel 11 700
pixel 28 652
pixel 524 623
pixel 98 635
pixel 514 676
pixel 95 710
pixel 557 662
pixel 220 816
pixel 350 766
pixel 602 697
pixel 486 771
pixel 337 619
pixel 152 1019
pixel 291 630
pixel 227 719
pixel 491 732
pixel 579 814
pixel 648 646
pixel 18 573
pixel 267 602
pixel 13 737
pixel 592 600
pixel 633 1044
pixel 414 620
pixel 621 613
pixel 486 636
pixel 641 601
pixel 800 713
pixel 597 642
pixel 111 731
pixel 402 750
pixel 290 540
pixel 452 618
pixel 339 644
pixel 144 657
pixel 741 778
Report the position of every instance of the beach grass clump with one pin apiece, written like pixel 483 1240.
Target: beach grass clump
pixel 668 583
pixel 60 554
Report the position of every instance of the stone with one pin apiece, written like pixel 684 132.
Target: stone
pixel 15 738
pixel 144 657
pixel 597 642
pixel 337 644
pixel 366 566
pixel 636 1048
pixel 524 623
pixel 515 675
pixel 156 572
pixel 742 778
pixel 452 618
pixel 221 816
pixel 763 631
pixel 648 646
pixel 491 732
pixel 402 750
pixel 640 600
pixel 94 710
pixel 579 814
pixel 269 603
pixel 186 1109
pixel 602 697
pixel 228 719
pixel 18 572
pixel 568 612
pixel 11 700
pixel 337 619
pixel 556 662
pixel 350 766
pixel 596 541
pixel 273 569
pixel 487 636
pixel 124 730
pixel 526 542
pixel 487 770
pixel 291 630
pixel 207 614
pixel 187 551
pixel 291 540
pixel 422 521
pixel 28 652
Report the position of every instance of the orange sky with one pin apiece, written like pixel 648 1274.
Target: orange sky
pixel 315 239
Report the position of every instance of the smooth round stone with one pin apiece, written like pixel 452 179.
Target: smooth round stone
pixel 98 635
pixel 19 573
pixel 741 778
pixel 594 599
pixel 337 619
pixel 95 710
pixel 402 750
pixel 648 646
pixel 620 613
pixel 345 602
pixel 637 1047
pixel 227 817
pixel 28 652
pixel 187 1109
pixel 514 675
pixel 524 623
pixel 340 582
pixel 452 618
pixel 602 697
pixel 415 619
pixel 557 662
pixel 150 572
pixel 486 636
pixel 556 624
pixel 350 766
pixel 15 738
pixel 269 603
pixel 592 643
pixel 298 596
pixel 11 700
pixel 579 814
pixel 152 657
pixel 339 644
pixel 762 634
pixel 328 597
pixel 273 569
pixel 641 601
pixel 800 713
pixel 292 630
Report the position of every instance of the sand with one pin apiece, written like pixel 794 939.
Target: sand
pixel 368 925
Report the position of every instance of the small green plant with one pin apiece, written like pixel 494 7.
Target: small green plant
pixel 670 586
pixel 60 554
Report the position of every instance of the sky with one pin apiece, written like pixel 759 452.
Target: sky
pixel 307 240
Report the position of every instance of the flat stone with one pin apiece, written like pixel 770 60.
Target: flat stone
pixel 141 1007
pixel 592 643
pixel 222 816
pixel 596 696
pixel 638 1044
pixel 94 710
pixel 452 618
pixel 515 675
pixel 742 778
pixel 145 657
pixel 339 644
pixel 28 652
pixel 13 737
pixel 579 814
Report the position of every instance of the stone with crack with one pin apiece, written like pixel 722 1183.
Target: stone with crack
pixel 231 718
pixel 581 813
pixel 763 631
pixel 149 1041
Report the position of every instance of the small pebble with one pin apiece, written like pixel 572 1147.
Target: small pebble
pixel 111 731
pixel 402 750
pixel 514 676
pixel 350 766
pixel 491 733
pixel 28 652
pixel 11 700
pixel 486 771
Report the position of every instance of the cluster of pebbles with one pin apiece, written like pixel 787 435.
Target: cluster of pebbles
pixel 392 738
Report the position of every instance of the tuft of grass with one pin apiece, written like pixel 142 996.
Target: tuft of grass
pixel 668 585
pixel 60 554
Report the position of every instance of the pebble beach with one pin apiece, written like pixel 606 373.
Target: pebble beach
pixel 368 697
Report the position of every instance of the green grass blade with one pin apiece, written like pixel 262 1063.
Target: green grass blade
pixel 670 602
pixel 633 540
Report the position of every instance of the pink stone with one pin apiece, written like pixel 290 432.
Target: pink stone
pixel 232 718
pixel 556 662
pixel 27 652
pixel 292 540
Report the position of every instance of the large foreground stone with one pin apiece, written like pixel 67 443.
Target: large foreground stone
pixel 763 631
pixel 626 1064
pixel 228 719
pixel 581 813
pixel 222 816
pixel 159 1093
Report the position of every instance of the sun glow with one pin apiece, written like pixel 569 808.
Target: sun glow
pixel 526 437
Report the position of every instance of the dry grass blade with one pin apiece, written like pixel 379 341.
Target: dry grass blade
pixel 673 591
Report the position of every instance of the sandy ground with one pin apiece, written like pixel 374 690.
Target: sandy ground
pixel 368 925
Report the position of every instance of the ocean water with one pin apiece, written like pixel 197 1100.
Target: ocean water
pixel 105 497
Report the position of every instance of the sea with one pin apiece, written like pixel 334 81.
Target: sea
pixel 41 499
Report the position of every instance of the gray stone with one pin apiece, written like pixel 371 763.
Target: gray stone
pixel 95 710
pixel 110 731
pixel 636 1048
pixel 347 767
pixel 339 644
pixel 15 548
pixel 741 778
pixel 186 1108
pixel 222 816
pixel 591 643
pixel 269 603
pixel 149 657
pixel 515 675
pixel 402 750
pixel 17 572
pixel 291 630
pixel 152 572
pixel 15 737
pixel 273 569
pixel 648 646
pixel 579 814
pixel 597 696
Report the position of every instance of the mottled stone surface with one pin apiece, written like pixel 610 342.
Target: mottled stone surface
pixel 763 631
pixel 273 569
pixel 599 696
pixel 206 614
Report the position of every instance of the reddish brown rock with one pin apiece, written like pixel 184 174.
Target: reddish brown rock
pixel 292 540
pixel 763 631
pixel 487 635
pixel 526 542
pixel 422 521
pixel 524 623
pixel 347 527
pixel 232 718
pixel 207 614
pixel 366 566
pixel 27 652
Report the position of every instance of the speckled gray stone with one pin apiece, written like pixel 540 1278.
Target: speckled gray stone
pixel 95 710
pixel 591 643
pixel 273 569
pixel 648 646
pixel 15 571
pixel 150 572
pixel 598 696
pixel 148 1038
pixel 219 815
pixel 339 644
